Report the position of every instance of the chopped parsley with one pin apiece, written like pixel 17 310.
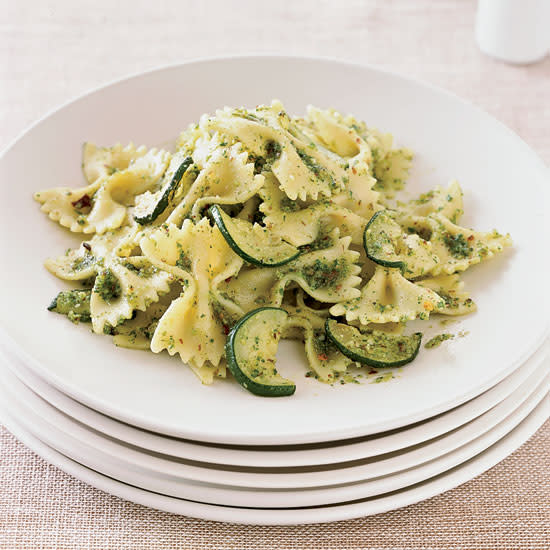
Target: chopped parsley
pixel 438 340
pixel 83 262
pixel 458 246
pixel 319 171
pixel 324 274
pixel 108 286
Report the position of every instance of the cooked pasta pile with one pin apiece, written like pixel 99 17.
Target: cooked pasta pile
pixel 156 272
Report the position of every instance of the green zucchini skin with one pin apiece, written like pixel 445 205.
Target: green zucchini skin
pixel 275 385
pixel 217 215
pixel 413 343
pixel 75 304
pixel 371 254
pixel 167 195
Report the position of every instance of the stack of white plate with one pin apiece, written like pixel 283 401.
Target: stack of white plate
pixel 140 425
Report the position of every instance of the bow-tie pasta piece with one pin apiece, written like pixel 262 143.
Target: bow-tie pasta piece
pixel 190 326
pixel 85 261
pixel 389 297
pixel 451 290
pixel 328 274
pixel 326 362
pixel 391 171
pixel 100 162
pixel 125 286
pixel 137 332
pixel 447 202
pixel 102 205
pixel 389 166
pixel 251 288
pixel 69 207
pixel 340 138
pixel 457 247
pixel 359 195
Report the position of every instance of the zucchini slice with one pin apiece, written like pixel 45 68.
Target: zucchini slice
pixel 168 189
pixel 251 349
pixel 254 243
pixel 75 304
pixel 377 349
pixel 379 240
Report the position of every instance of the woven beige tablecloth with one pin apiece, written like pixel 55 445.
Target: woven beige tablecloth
pixel 51 51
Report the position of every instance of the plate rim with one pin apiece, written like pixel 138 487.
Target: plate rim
pixel 64 439
pixel 247 516
pixel 537 362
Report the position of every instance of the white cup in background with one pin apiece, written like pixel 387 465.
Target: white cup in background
pixel 516 31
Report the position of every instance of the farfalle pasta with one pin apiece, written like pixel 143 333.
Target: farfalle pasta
pixel 260 215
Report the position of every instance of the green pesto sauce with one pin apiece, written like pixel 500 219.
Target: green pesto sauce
pixel 226 319
pixel 322 345
pixel 288 205
pixel 424 198
pixel 319 171
pixel 273 151
pixel 83 262
pixel 458 246
pixel 386 377
pixel 145 272
pixel 183 262
pixel 321 274
pixel 438 340
pixel 322 242
pixel 108 286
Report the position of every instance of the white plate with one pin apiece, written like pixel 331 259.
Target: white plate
pixel 191 480
pixel 210 493
pixel 62 438
pixel 365 507
pixel 282 456
pixel 453 140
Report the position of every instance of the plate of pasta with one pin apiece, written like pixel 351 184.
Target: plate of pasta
pixel 279 260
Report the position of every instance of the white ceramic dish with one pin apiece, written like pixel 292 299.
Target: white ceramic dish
pixel 260 498
pixel 214 483
pixel 370 506
pixel 283 456
pixel 453 140
pixel 164 482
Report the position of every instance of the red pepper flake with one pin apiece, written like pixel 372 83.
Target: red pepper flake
pixel 225 330
pixel 180 340
pixel 357 140
pixel 471 238
pixel 228 279
pixel 83 202
pixel 353 170
pixel 199 347
pixel 323 357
